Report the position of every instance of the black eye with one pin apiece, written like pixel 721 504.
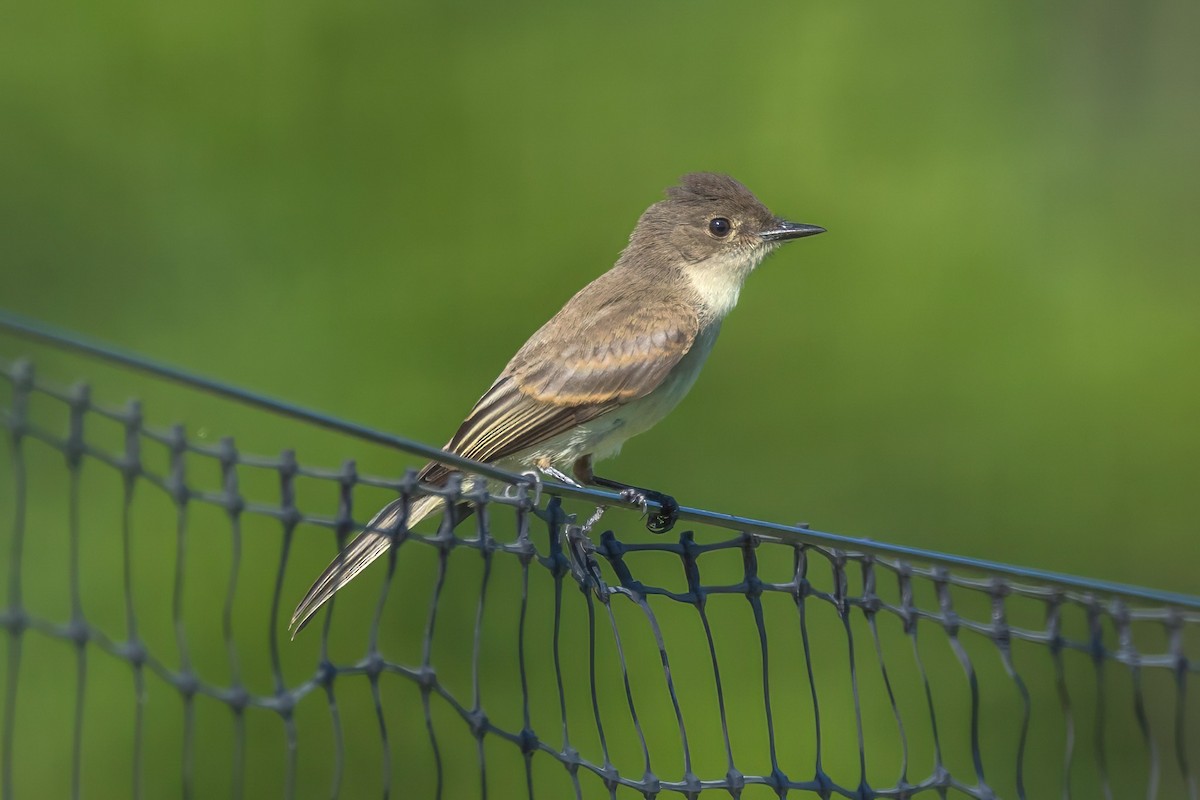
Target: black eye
pixel 719 227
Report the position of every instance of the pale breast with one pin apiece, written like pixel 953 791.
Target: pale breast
pixel 603 436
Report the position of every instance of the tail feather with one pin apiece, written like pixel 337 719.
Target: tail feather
pixel 356 556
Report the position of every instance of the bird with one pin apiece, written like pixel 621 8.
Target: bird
pixel 609 365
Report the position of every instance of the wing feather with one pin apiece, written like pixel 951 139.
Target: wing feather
pixel 568 374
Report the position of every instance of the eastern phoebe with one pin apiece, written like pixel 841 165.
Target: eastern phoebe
pixel 614 361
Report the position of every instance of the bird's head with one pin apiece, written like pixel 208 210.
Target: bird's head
pixel 715 231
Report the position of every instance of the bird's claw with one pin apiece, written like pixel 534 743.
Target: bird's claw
pixel 660 521
pixel 635 497
pixel 663 520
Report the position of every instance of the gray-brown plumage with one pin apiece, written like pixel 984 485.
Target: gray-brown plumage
pixel 617 358
pixel 568 374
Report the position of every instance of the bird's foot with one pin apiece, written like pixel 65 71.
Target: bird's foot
pixel 659 521
pixel 635 497
pixel 664 519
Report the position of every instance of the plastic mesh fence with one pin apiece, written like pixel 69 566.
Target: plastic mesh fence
pixel 517 656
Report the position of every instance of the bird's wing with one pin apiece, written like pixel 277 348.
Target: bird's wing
pixel 568 374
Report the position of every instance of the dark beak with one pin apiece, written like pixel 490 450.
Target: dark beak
pixel 784 230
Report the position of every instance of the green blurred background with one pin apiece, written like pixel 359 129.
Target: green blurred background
pixel 366 208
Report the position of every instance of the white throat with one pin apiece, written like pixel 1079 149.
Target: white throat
pixel 720 282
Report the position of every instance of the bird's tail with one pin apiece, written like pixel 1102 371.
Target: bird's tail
pixel 366 547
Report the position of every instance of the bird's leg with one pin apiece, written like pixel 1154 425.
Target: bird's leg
pixel 560 476
pixel 551 471
pixel 582 468
pixel 594 518
pixel 581 479
pixel 578 546
pixel 659 522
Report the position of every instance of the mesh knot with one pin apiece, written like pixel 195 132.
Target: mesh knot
pixel 238 698
pixel 187 683
pixel 326 673
pixel 426 678
pixel 735 781
pixel 778 780
pixel 284 703
pixel 527 740
pixel 234 504
pixel 871 603
pixel 290 516
pixel 134 652
pixel 177 489
pixel 570 759
pixel 16 621
pixel 691 787
pixel 611 777
pixel 478 722
pixel 130 466
pixel 373 665
pixel 78 632
pixel 651 784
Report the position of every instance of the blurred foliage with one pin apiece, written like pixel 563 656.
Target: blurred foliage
pixel 366 208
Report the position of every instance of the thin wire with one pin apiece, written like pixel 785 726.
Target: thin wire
pixel 22 386
pixel 131 468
